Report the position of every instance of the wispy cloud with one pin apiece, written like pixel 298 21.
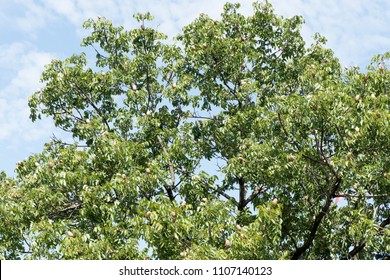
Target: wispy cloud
pixel 14 113
pixel 356 30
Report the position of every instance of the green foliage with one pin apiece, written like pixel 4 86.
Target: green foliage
pixel 230 143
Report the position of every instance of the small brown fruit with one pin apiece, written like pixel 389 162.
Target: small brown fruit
pixel 148 215
pixel 147 170
pixel 357 97
pixel 183 204
pixel 70 234
pixel 228 244
pixel 51 165
pixel 173 214
pixel 195 177
pixel 238 227
pixel 124 176
pixel 134 87
pixel 275 201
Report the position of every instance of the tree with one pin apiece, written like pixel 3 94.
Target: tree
pixel 233 141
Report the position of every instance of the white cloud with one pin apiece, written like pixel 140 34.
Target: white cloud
pixel 356 29
pixel 32 16
pixel 15 124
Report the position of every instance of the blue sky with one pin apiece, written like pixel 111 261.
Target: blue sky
pixel 32 32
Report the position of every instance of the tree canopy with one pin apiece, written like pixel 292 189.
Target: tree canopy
pixel 233 140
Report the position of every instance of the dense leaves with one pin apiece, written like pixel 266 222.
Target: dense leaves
pixel 236 141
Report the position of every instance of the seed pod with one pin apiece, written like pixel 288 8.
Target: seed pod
pixel 183 254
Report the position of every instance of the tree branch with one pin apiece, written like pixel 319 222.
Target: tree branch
pixel 171 170
pixel 72 207
pixel 94 106
pixel 360 247
pixel 253 195
pixel 317 221
pixel 242 193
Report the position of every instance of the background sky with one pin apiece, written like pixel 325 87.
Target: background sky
pixel 32 32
